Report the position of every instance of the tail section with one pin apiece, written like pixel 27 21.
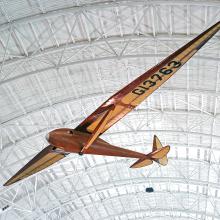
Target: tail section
pixel 158 154
pixel 161 155
pixel 157 146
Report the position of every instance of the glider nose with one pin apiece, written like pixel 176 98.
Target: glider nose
pixel 47 137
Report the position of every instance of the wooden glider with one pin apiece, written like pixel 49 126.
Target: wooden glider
pixel 85 137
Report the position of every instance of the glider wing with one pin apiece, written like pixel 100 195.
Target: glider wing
pixel 134 93
pixel 42 160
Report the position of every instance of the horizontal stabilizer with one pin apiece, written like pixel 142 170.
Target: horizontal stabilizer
pixel 142 163
pixel 158 154
pixel 42 160
pixel 163 161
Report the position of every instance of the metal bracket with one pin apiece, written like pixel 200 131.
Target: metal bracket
pixel 98 128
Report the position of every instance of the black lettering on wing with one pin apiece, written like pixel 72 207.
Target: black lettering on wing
pixel 149 82
pixel 138 91
pixel 157 76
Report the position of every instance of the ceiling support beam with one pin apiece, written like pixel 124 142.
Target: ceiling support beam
pixel 120 183
pixel 95 95
pixel 110 58
pixel 101 6
pixel 85 44
pixel 134 195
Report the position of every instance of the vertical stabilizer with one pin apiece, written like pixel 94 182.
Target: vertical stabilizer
pixel 156 143
pixel 156 146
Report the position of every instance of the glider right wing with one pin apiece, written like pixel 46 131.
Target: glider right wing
pixel 125 100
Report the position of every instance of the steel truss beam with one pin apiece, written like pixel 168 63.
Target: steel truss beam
pixel 139 192
pixel 140 181
pixel 82 11
pixel 98 60
pixel 94 204
pixel 95 95
pixel 162 216
pixel 119 182
pixel 212 131
pixel 164 131
pixel 104 39
pixel 111 39
pixel 102 5
pixel 169 213
pixel 191 161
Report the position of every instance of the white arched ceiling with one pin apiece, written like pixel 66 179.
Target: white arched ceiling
pixel 59 60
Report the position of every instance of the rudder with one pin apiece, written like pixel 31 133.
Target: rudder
pixel 163 160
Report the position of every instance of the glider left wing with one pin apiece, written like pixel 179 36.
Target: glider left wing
pixel 45 158
pixel 134 93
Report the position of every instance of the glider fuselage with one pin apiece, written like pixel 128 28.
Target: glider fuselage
pixel 72 141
